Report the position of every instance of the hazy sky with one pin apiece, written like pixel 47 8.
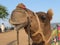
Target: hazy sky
pixel 35 5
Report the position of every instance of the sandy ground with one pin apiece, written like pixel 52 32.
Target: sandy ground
pixel 10 38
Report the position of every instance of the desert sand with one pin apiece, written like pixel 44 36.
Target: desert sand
pixel 10 38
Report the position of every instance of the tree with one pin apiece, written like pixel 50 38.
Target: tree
pixel 3 12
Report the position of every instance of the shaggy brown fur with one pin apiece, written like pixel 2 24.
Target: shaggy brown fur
pixel 19 17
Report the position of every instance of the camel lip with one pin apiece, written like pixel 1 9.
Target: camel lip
pixel 18 27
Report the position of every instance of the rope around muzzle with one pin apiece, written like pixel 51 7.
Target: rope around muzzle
pixel 29 32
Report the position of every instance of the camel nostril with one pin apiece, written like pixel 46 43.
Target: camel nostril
pixel 42 43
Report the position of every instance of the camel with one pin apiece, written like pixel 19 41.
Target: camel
pixel 38 23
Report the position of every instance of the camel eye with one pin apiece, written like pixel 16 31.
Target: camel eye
pixel 43 17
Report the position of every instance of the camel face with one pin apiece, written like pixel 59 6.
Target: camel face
pixel 45 23
pixel 45 19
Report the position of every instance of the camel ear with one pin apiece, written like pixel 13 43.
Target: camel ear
pixel 50 14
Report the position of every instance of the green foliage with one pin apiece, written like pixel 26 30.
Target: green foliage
pixel 3 12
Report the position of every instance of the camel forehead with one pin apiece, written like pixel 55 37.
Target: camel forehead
pixel 41 13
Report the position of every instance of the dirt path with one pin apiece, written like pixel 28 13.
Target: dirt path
pixel 9 38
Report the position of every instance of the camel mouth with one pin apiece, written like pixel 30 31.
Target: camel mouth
pixel 42 43
pixel 19 26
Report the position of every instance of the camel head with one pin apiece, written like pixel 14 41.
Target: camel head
pixel 19 18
